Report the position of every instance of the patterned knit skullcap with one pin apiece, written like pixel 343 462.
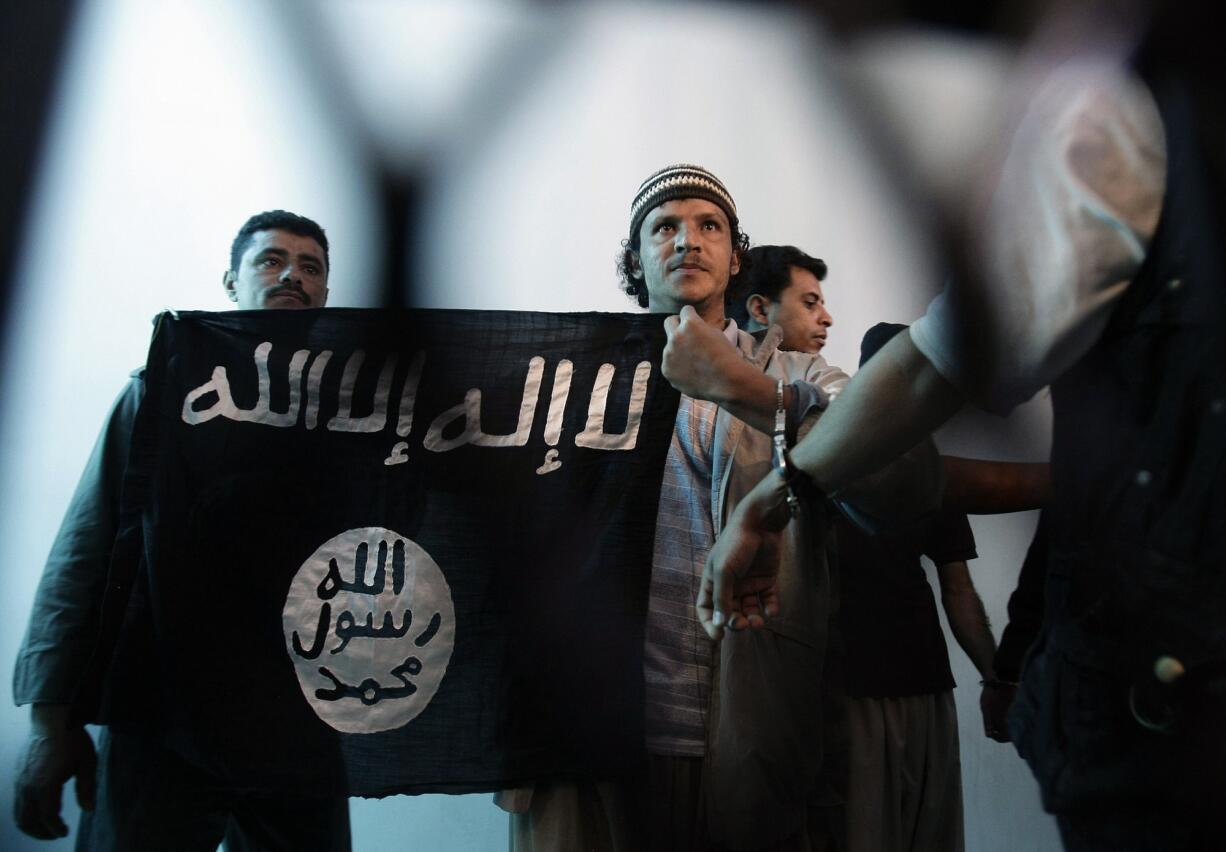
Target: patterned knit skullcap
pixel 679 181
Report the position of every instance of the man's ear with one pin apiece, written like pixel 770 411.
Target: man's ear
pixel 227 282
pixel 323 302
pixel 735 267
pixel 757 305
pixel 636 268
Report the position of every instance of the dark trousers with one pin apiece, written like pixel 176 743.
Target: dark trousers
pixel 1142 829
pixel 1125 766
pixel 150 799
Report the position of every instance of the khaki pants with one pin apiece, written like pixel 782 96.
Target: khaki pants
pixel 660 810
pixel 904 787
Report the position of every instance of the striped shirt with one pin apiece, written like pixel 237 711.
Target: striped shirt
pixel 678 655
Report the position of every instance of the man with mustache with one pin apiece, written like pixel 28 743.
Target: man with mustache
pixel 134 792
pixel 278 262
pixel 741 397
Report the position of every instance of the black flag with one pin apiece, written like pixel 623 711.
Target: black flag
pixel 372 552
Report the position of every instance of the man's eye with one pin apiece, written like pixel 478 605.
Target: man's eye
pixel 311 269
pixel 710 226
pixel 269 261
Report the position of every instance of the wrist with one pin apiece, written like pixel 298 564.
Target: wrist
pixel 50 719
pixel 732 381
pixel 796 482
pixel 997 683
pixel 766 506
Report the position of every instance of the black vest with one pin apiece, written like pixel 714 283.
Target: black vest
pixel 1137 564
pixel 1139 535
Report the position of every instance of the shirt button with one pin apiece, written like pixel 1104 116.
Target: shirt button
pixel 1174 284
pixel 1144 477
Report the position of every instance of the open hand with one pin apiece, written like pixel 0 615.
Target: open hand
pixel 739 585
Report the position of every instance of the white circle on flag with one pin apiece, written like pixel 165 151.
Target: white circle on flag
pixel 370 626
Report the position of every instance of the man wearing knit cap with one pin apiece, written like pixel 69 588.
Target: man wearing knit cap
pixel 745 715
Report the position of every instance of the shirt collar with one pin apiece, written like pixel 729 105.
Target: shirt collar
pixel 730 331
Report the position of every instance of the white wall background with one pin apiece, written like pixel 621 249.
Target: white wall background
pixel 533 125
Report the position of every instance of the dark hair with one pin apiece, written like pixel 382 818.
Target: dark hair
pixel 767 270
pixel 281 220
pixel 636 288
pixel 878 336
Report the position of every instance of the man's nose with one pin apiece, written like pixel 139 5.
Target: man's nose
pixel 827 318
pixel 686 238
pixel 289 273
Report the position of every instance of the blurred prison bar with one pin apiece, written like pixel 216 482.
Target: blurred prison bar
pixel 474 154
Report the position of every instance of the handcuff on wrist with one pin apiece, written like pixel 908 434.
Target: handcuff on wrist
pixel 793 477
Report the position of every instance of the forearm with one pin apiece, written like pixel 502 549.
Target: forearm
pixel 890 406
pixel 969 623
pixel 751 396
pixel 701 363
pixel 905 491
pixel 978 487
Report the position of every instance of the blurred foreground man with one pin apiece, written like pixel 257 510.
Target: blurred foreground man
pixel 1099 270
pixel 135 793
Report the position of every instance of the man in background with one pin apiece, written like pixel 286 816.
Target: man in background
pixel 904 788
pixel 781 285
pixel 134 792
